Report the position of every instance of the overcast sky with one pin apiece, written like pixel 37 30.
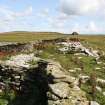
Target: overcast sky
pixel 84 16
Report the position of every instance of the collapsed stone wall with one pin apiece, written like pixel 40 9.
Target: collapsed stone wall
pixel 8 47
pixel 45 84
pixel 18 47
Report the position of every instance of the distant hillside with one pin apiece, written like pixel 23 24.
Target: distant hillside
pixel 30 33
pixel 23 36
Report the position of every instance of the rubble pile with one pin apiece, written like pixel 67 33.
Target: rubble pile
pixel 77 47
pixel 14 77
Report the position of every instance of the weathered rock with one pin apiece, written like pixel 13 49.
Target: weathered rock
pixel 97 68
pixel 99 88
pixel 78 69
pixel 79 57
pixel 60 102
pixel 72 71
pixel 15 47
pixel 103 93
pixel 101 81
pixel 21 60
pixel 78 97
pixel 84 78
pixel 61 92
pixel 94 103
pixel 56 71
pixel 1 90
pixel 60 89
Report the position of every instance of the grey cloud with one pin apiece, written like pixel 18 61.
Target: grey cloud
pixel 81 7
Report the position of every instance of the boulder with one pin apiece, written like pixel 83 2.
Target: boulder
pixel 60 90
pixel 21 60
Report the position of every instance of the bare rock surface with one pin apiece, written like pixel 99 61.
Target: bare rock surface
pixel 64 90
pixel 21 60
pixel 60 89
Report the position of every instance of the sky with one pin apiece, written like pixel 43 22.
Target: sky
pixel 65 16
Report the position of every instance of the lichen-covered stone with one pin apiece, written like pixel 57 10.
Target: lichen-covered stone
pixel 60 89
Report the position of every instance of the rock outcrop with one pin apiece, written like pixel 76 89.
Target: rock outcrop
pixel 53 84
pixel 62 87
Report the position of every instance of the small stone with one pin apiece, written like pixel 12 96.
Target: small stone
pixel 1 91
pixel 79 69
pixel 17 77
pixel 97 68
pixel 79 57
pixel 104 93
pixel 98 88
pixel 76 88
pixel 99 62
pixel 72 71
pixel 101 80
pixel 94 103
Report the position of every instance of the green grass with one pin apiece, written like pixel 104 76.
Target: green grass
pixel 68 61
pixel 65 60
pixel 28 36
pixel 98 95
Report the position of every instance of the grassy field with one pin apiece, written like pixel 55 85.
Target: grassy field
pixel 28 36
pixel 31 36
pixel 95 41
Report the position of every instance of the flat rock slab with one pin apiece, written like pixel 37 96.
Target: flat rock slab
pixel 60 89
pixel 55 69
pixel 21 60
